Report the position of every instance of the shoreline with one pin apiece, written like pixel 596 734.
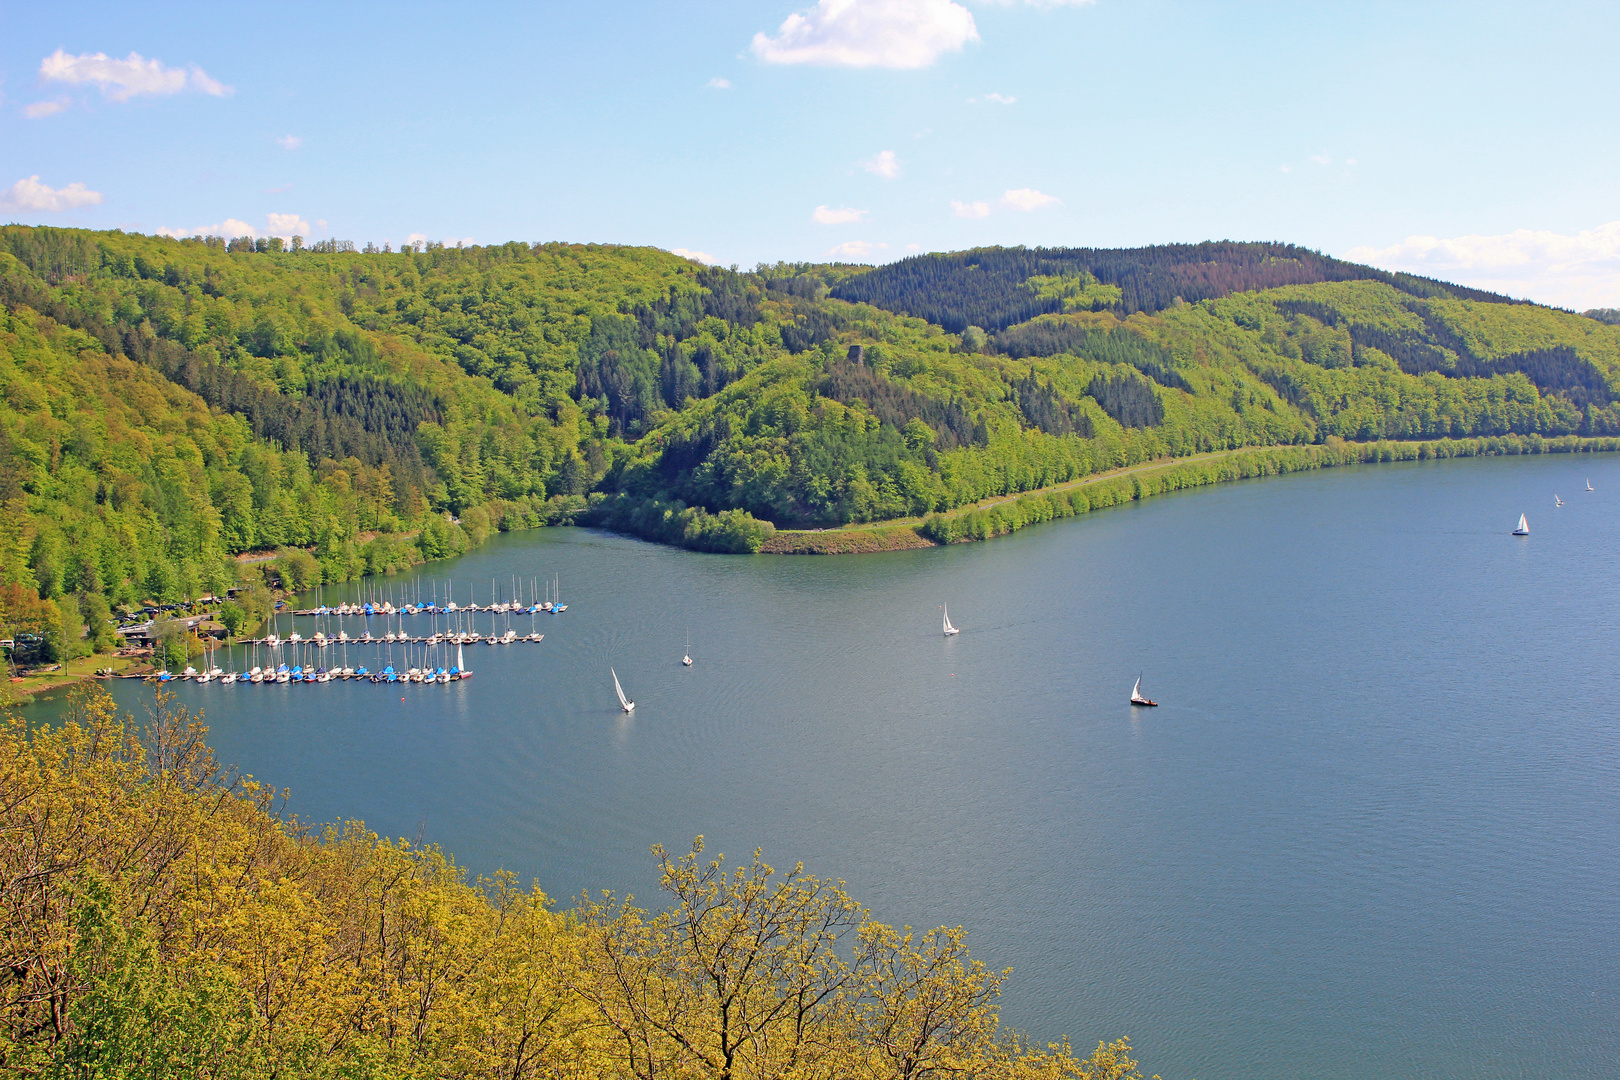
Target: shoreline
pixel 1004 514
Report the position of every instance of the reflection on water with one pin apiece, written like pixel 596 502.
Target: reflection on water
pixel 1371 830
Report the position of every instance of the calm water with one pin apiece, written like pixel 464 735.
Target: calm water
pixel 1372 831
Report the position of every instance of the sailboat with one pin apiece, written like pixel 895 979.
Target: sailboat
pixel 1523 528
pixel 461 664
pixel 1589 483
pixel 950 631
pixel 624 703
pixel 686 658
pixel 1137 697
pixel 1557 501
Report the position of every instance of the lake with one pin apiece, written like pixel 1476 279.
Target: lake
pixel 1373 830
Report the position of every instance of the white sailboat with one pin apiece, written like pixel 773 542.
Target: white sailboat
pixel 1557 501
pixel 950 631
pixel 1589 483
pixel 461 663
pixel 1137 697
pixel 1523 528
pixel 686 657
pixel 624 703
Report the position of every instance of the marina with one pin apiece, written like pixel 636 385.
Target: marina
pixel 425 658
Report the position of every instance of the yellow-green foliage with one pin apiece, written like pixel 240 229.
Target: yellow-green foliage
pixel 158 919
pixel 1078 292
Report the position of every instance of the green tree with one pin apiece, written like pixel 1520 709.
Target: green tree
pixel 256 604
pixel 171 645
pixel 133 1016
pixel 300 571
pixel 98 616
pixel 232 617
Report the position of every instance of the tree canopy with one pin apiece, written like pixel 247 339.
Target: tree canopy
pixel 170 404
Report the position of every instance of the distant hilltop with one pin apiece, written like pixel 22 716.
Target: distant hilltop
pixel 989 287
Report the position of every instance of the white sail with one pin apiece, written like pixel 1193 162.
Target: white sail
pixel 949 629
pixel 1524 527
pixel 624 703
pixel 1589 484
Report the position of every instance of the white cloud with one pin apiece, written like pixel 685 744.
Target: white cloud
pixel 1028 199
pixel 282 225
pixel 971 209
pixel 286 225
pixel 201 81
pixel 1287 168
pixel 290 142
pixel 1000 99
pixel 1322 159
pixel 856 249
pixel 230 228
pixel 1580 270
pixel 717 83
pixel 885 165
pixel 913 247
pixel 30 194
pixel 130 77
pixel 416 238
pixel 869 33
pixel 843 215
pixel 45 108
pixel 695 256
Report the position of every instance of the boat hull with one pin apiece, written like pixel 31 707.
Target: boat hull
pixel 1145 703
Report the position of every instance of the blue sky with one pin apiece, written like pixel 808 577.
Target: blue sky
pixel 1477 142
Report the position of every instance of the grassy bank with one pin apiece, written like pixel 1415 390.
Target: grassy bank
pixel 860 541
pixel 21 690
pixel 1008 514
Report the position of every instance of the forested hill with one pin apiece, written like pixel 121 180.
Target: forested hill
pixel 993 288
pixel 166 405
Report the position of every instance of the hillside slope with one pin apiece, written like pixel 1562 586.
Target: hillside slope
pixel 165 405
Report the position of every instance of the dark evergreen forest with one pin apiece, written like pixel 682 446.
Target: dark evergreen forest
pixel 985 287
